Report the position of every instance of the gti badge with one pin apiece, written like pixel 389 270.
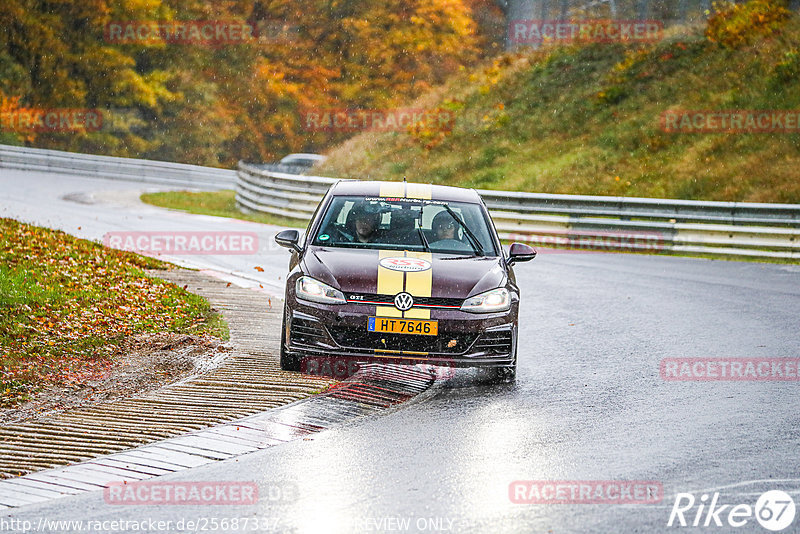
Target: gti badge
pixel 403 301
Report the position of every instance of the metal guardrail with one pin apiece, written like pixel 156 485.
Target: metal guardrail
pixel 138 170
pixel 560 221
pixel 580 222
pixel 279 193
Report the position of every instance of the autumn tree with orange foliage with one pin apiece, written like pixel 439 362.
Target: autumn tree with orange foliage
pixel 214 105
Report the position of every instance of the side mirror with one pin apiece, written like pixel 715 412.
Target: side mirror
pixel 289 239
pixel 520 252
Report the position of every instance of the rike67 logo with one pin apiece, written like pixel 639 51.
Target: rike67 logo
pixel 774 510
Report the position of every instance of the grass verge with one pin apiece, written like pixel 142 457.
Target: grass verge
pixel 66 303
pixel 586 119
pixel 216 203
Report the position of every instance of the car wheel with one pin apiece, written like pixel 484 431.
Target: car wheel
pixel 289 361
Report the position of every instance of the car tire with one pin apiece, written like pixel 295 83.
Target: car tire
pixel 508 373
pixel 289 361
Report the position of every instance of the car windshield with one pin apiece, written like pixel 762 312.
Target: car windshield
pixel 406 224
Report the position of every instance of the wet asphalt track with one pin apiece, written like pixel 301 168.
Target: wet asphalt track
pixel 588 403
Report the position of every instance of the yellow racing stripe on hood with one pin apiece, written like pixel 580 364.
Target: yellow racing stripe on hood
pixel 419 284
pixel 389 283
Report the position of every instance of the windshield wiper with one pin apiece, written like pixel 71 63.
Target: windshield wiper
pixel 419 230
pixel 473 241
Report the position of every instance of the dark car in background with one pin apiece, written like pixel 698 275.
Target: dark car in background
pixel 401 272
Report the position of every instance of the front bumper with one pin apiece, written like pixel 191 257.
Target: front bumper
pixel 464 340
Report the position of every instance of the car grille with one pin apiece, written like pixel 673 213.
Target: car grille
pixel 361 339
pixel 419 302
pixel 306 332
pixel 498 342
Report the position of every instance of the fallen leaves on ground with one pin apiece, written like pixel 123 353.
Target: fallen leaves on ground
pixel 66 302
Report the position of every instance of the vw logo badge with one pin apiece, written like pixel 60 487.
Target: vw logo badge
pixel 403 301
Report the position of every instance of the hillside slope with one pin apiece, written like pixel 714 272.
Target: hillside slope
pixel 585 119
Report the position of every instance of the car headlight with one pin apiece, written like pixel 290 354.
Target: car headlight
pixel 307 288
pixel 495 300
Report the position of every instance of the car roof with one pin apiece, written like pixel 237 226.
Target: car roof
pixel 404 190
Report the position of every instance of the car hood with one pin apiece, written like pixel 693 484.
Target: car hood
pixel 359 270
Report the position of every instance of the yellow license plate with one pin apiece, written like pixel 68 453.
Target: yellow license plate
pixel 402 326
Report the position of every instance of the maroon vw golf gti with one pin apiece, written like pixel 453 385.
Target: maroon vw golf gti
pixel 401 272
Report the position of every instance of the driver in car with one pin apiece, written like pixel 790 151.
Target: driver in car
pixel 444 226
pixel 367 218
